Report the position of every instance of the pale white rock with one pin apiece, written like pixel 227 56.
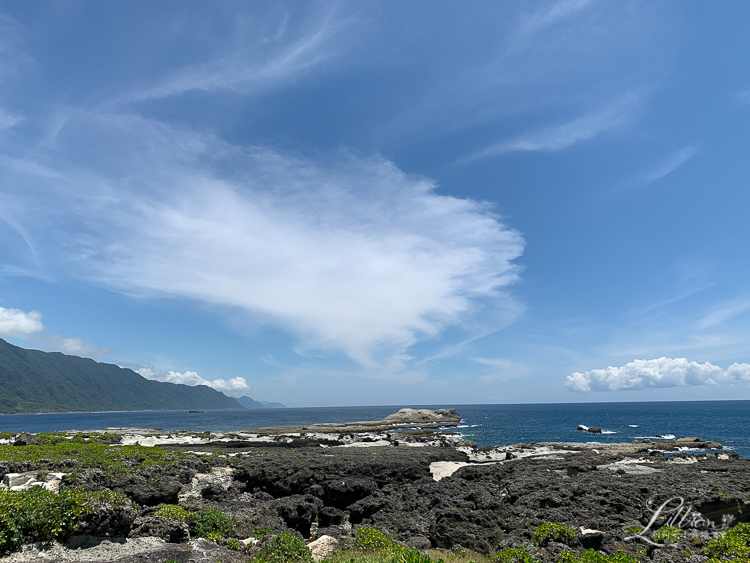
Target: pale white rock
pixel 323 547
pixel 219 477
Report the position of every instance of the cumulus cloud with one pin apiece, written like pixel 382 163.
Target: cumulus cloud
pixel 236 387
pixel 72 346
pixel 351 254
pixel 659 373
pixel 14 322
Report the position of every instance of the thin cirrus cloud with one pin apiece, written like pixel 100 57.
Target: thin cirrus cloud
pixel 351 255
pixel 236 386
pixel 562 136
pixel 669 164
pixel 256 66
pixel 658 373
pixel 14 322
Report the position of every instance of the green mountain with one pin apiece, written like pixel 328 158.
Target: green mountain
pixel 33 381
pixel 250 403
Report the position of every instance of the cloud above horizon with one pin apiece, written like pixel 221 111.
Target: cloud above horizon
pixel 658 373
pixel 349 253
pixel 14 322
pixel 234 387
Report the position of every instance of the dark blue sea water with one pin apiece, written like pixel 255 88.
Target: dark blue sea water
pixel 727 422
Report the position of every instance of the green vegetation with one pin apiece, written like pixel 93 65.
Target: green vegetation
pixel 212 524
pixel 35 381
pixel 6 435
pixel 91 454
pixel 37 514
pixel 260 533
pixel 668 534
pixel 373 540
pixel 175 512
pixel 546 532
pixel 592 556
pixel 209 523
pixel 514 555
pixel 286 548
pixel 732 545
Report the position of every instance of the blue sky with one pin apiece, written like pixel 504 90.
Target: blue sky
pixel 349 203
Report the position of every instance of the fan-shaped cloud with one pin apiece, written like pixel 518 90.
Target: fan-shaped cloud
pixel 662 372
pixel 351 254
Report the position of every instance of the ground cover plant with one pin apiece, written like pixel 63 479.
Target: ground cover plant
pixel 37 514
pixel 732 545
pixel 89 453
pixel 208 523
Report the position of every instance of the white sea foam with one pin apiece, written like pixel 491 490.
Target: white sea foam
pixel 583 427
pixel 660 437
pixel 608 432
pixel 633 425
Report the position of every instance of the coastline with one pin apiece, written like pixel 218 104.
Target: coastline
pixel 425 487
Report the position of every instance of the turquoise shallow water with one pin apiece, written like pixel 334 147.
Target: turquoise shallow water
pixel 725 421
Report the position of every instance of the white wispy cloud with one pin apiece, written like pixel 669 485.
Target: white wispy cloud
pixel 744 96
pixel 658 373
pixel 562 136
pixel 351 255
pixel 669 164
pixel 503 369
pixel 72 346
pixel 724 313
pixel 14 322
pixel 255 66
pixel 235 387
pixel 8 120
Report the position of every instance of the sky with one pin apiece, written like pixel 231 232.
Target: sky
pixel 363 203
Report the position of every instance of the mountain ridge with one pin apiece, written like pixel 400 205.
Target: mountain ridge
pixel 32 381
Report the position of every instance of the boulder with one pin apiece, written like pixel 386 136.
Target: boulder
pixel 26 439
pixel 423 415
pixel 323 547
pixel 595 430
pixel 172 531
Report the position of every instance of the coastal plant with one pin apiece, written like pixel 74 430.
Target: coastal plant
pixel 412 555
pixel 734 543
pixel 286 548
pixel 6 435
pixel 260 533
pixel 373 540
pixel 175 512
pixel 513 555
pixel 113 460
pixel 212 524
pixel 552 531
pixel 593 556
pixel 668 534
pixel 234 544
pixel 37 514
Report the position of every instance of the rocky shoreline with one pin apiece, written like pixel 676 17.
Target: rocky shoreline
pixel 409 475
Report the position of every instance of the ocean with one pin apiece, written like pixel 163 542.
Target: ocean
pixel 727 422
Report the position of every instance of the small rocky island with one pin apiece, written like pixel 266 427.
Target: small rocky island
pixel 410 476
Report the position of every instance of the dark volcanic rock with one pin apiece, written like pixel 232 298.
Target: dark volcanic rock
pixel 171 531
pixel 104 520
pixel 26 439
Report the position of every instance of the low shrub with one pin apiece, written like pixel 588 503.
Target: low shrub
pixel 592 556
pixel 175 512
pixel 260 533
pixel 411 555
pixel 734 543
pixel 286 548
pixel 37 514
pixel 546 532
pixel 668 534
pixel 372 539
pixel 513 555
pixel 212 524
